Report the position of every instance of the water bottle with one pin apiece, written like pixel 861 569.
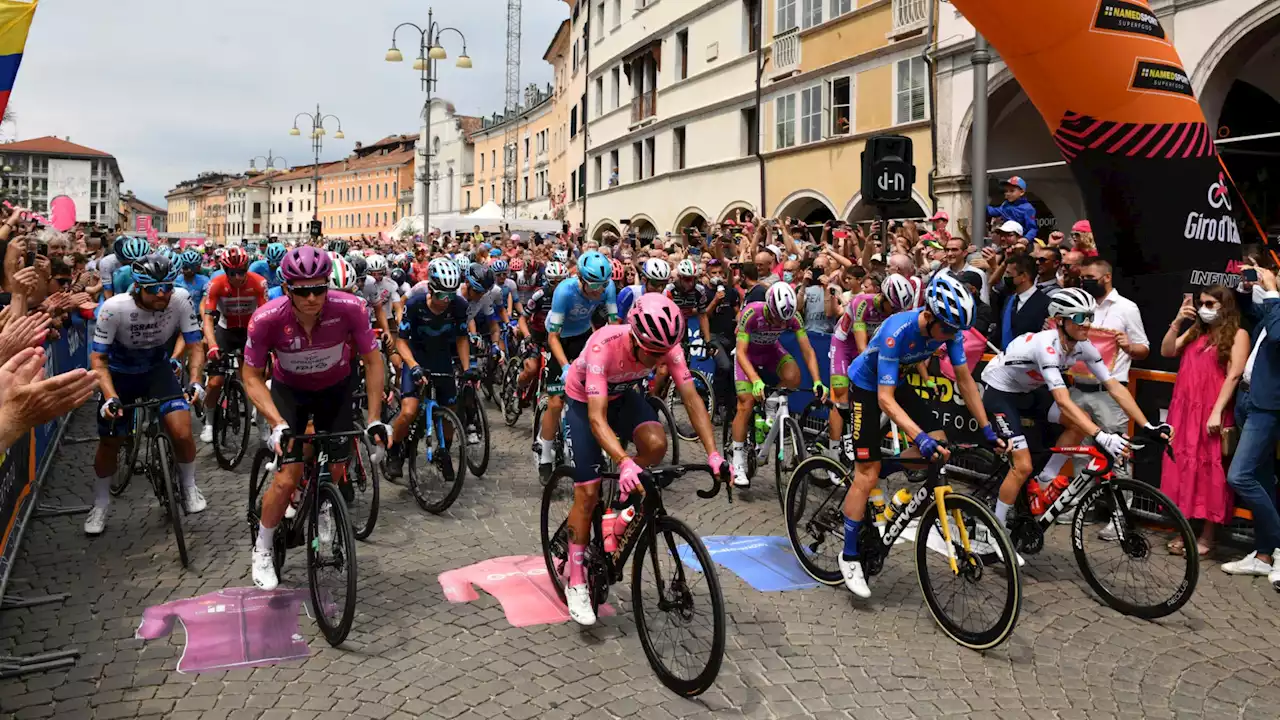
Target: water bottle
pixel 900 500
pixel 614 526
pixel 877 504
pixel 762 427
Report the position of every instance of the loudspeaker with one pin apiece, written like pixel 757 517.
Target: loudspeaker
pixel 887 170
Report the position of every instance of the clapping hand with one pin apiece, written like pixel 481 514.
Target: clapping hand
pixel 27 399
pixel 25 332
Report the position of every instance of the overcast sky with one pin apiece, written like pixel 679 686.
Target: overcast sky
pixel 174 87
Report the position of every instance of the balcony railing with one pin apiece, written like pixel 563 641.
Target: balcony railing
pixel 786 53
pixel 644 106
pixel 909 16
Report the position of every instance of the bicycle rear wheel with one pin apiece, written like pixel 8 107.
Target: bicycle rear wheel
pixel 167 468
pixel 126 456
pixel 511 393
pixel 476 423
pixel 815 517
pixel 815 424
pixel 362 474
pixel 331 564
pixel 683 421
pixel 979 615
pixel 1126 562
pixel 557 501
pixel 680 617
pixel 437 470
pixel 664 416
pixel 231 426
pixel 788 455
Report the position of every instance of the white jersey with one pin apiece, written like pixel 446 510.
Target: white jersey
pixel 106 268
pixel 383 293
pixel 1035 360
pixel 486 306
pixel 136 340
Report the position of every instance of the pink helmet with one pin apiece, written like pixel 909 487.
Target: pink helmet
pixel 305 263
pixel 656 323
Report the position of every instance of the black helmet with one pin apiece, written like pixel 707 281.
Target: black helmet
pixel 154 268
pixel 359 264
pixel 338 246
pixel 480 277
pixel 399 277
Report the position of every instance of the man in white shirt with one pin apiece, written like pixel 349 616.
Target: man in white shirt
pixel 957 262
pixel 1119 314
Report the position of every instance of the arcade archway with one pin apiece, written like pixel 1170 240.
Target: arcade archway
pixel 602 227
pixel 690 218
pixel 644 228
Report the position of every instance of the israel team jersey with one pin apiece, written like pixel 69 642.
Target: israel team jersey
pixel 136 340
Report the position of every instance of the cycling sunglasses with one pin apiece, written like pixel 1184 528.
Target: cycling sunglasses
pixel 237 273
pixel 595 287
pixel 158 288
pixel 308 290
pixel 442 295
pixel 1079 318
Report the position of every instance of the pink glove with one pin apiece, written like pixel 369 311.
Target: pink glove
pixel 628 477
pixel 716 461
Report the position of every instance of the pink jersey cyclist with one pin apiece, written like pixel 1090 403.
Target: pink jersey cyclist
pixel 310 363
pixel 864 313
pixel 764 350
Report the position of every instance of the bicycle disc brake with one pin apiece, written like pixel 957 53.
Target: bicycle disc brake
pixel 1027 535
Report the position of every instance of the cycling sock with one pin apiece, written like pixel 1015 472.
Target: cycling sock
pixel 1052 468
pixel 577 570
pixel 1002 512
pixel 187 471
pixel 739 453
pixel 102 491
pixel 548 451
pixel 851 529
pixel 266 536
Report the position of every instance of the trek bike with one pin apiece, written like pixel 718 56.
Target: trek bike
pixel 773 435
pixel 232 416
pixel 152 445
pixel 678 606
pixel 321 523
pixel 957 542
pixel 437 469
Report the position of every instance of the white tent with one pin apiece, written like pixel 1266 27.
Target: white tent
pixel 488 216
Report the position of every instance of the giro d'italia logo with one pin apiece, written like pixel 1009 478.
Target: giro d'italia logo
pixel 1218 196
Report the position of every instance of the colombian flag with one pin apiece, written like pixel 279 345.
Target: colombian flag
pixel 15 22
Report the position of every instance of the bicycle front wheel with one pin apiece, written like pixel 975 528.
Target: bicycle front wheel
pixel 679 609
pixel 362 474
pixel 683 420
pixel 975 604
pixel 167 467
pixel 231 426
pixel 511 393
pixel 476 423
pixel 331 564
pixel 788 455
pixel 557 501
pixel 1126 562
pixel 126 456
pixel 814 510
pixel 438 466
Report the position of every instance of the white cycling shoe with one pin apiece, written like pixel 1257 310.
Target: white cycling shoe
pixel 851 570
pixel 206 432
pixel 740 478
pixel 96 522
pixel 264 570
pixel 195 501
pixel 578 599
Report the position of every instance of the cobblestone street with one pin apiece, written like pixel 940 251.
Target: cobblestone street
pixel 811 653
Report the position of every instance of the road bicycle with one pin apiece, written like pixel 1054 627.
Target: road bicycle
pixel 706 391
pixel 772 435
pixel 488 363
pixel 1125 562
pixel 476 421
pixel 437 475
pixel 958 539
pixel 232 416
pixel 158 464
pixel 322 524
pixel 564 449
pixel 514 401
pixel 690 614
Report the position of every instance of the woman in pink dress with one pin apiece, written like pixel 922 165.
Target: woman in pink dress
pixel 1214 350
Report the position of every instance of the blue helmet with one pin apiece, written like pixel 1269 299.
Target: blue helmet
pixel 275 253
pixel 191 259
pixel 594 268
pixel 133 249
pixel 152 269
pixel 479 277
pixel 499 266
pixel 947 299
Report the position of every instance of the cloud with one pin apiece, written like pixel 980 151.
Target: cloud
pixel 175 87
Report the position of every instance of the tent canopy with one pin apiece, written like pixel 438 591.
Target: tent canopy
pixel 488 216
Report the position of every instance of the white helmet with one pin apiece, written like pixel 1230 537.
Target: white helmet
pixel 343 276
pixel 443 275
pixel 555 271
pixel 377 263
pixel 686 268
pixel 561 255
pixel 899 291
pixel 656 270
pixel 780 301
pixel 1071 301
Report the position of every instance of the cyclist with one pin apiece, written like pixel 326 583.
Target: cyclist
pixel 483 303
pixel 131 251
pixel 902 340
pixel 511 302
pixel 433 331
pixel 233 296
pixel 655 275
pixel 691 296
pixel 1026 381
pixel 759 355
pixel 316 336
pixel 861 318
pixel 267 265
pixel 607 409
pixel 191 280
pixel 130 354
pixel 528 279
pixel 568 328
pixel 382 293
pixel 533 321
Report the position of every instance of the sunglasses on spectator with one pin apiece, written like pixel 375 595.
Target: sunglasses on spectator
pixel 309 290
pixel 158 288
pixel 1042 260
pixel 63 281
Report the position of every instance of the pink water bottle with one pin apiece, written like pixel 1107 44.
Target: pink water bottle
pixel 614 525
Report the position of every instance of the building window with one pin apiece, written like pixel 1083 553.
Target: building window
pixel 599 96
pixel 575 56
pixel 599 172
pixel 573 186
pixel 617 13
pixel 481 195
pixel 840 7
pixel 786 16
pixel 637 161
pixel 481 162
pixel 493 159
pixel 910 105
pixel 614 177
pixel 811 114
pixel 573 122
pixel 616 90
pixel 649 145
pixel 600 23
pixel 678 142
pixel 810 13
pixel 784 118
pixel 841 93
pixel 682 54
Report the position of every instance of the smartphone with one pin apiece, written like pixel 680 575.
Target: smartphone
pixel 31 257
pixel 1186 298
pixel 1251 275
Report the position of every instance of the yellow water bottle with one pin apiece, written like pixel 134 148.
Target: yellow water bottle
pixel 877 504
pixel 900 500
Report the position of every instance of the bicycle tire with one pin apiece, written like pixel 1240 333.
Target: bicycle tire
pixel 784 465
pixel 165 465
pixel 431 504
pixel 817 439
pixel 826 525
pixel 472 411
pixel 666 527
pixel 672 456
pixel 259 482
pixel 1136 546
pixel 344 547
pixel 126 456
pixel 510 393
pixel 702 385
pixel 362 473
pixel 970 509
pixel 232 403
pixel 557 499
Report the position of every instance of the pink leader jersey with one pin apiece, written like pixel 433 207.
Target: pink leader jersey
pixel 310 363
pixel 608 365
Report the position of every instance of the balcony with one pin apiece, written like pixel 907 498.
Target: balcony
pixel 909 17
pixel 644 106
pixel 469 179
pixel 786 53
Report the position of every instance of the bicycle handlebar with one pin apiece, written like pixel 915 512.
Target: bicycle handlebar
pixel 289 435
pixel 153 402
pixel 717 481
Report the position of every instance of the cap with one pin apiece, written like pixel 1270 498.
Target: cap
pixel 1012 226
pixel 941 215
pixel 1016 181
pixel 777 251
pixel 1082 226
pixel 877 257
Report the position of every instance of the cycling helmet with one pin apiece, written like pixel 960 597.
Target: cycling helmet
pixel 305 263
pixel 949 302
pixel 191 259
pixel 275 253
pixel 463 262
pixel 443 276
pixel 686 268
pixel 1071 301
pixel 780 301
pixel 899 291
pixel 151 269
pixel 517 265
pixel 359 265
pixel 479 277
pixel 134 249
pixel 656 270
pixel 561 255
pixel 167 251
pixel 377 263
pixel 342 277
pixel 400 277
pixel 235 259
pixel 656 323
pixel 618 270
pixel 555 271
pixel 338 246
pixel 594 268
pixel 498 267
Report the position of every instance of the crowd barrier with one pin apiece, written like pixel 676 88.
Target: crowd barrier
pixel 23 471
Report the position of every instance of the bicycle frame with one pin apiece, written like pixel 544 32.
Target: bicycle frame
pixel 783 411
pixel 1086 477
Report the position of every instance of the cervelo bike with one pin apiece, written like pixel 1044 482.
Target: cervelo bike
pixel 687 597
pixel 957 540
pixel 231 416
pixel 773 435
pixel 158 464
pixel 322 524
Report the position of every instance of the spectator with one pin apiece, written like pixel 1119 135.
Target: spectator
pixel 958 261
pixel 27 398
pixel 1213 350
pixel 1024 308
pixel 816 305
pixel 1016 207
pixel 940 220
pixel 1082 238
pixel 1048 260
pixel 1058 240
pixel 1072 262
pixel 752 289
pixel 984 322
pixel 765 260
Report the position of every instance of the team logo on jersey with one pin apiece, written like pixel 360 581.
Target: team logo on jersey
pixel 864 454
pixel 1050 350
pixel 888 342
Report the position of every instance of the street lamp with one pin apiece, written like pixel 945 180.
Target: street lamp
pixel 268 166
pixel 317 140
pixel 430 50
